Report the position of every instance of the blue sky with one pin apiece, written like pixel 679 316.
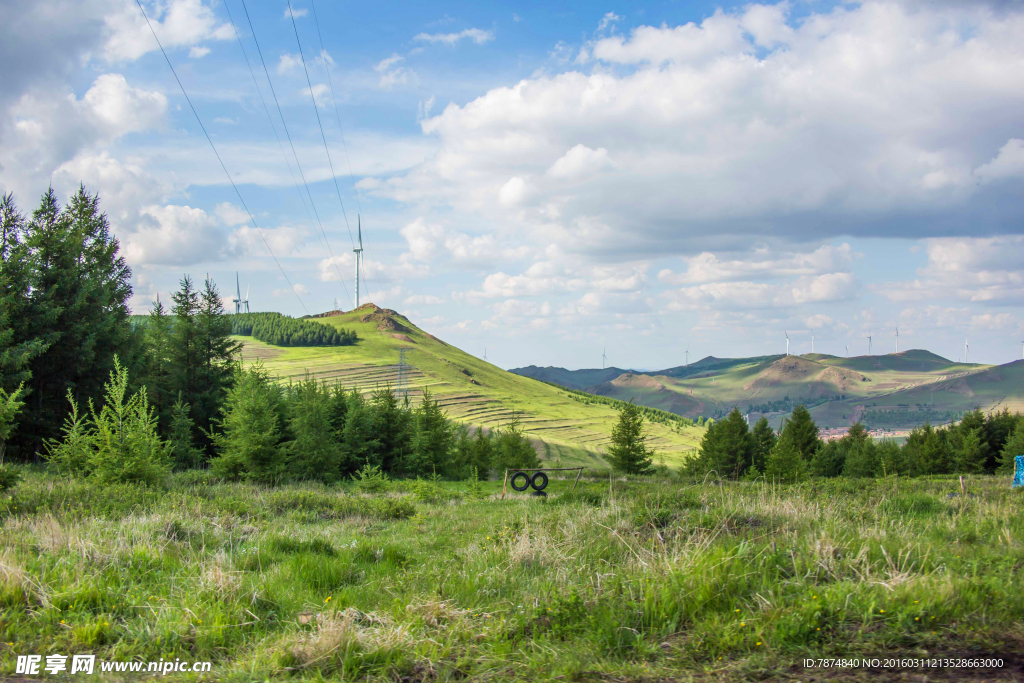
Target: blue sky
pixel 547 182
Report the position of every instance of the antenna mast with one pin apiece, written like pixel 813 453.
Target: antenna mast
pixel 359 256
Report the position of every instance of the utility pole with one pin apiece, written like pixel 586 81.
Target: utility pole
pixel 359 256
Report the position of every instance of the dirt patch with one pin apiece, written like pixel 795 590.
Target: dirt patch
pixel 840 378
pixel 403 337
pixel 253 352
pixel 784 370
pixel 384 317
pixel 630 381
pixel 959 386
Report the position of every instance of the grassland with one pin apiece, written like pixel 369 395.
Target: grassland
pixel 893 390
pixel 471 390
pixel 640 580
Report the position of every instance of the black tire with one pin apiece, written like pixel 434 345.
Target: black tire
pixel 526 481
pixel 542 478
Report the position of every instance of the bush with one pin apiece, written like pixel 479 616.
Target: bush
pixel 9 477
pixel 371 480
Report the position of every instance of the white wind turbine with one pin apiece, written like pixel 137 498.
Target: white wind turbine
pixel 897 340
pixel 869 342
pixel 812 343
pixel 967 349
pixel 847 350
pixel 686 363
pixel 604 358
pixel 787 343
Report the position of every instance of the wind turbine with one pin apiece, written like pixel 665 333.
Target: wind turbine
pixel 869 342
pixel 359 256
pixel 812 343
pixel 847 350
pixel 485 353
pixel 687 361
pixel 604 358
pixel 897 340
pixel 966 351
pixel 787 342
pixel 238 301
pixel 1022 350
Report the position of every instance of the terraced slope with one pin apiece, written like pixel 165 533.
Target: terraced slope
pixel 472 390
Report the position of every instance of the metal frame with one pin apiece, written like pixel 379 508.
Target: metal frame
pixel 578 470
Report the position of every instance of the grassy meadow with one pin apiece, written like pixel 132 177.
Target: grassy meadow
pixel 638 580
pixel 471 390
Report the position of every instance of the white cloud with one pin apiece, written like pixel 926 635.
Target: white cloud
pixel 578 162
pixel 424 299
pixel 745 124
pixel 608 20
pixel 198 52
pixel 283 240
pixel 391 74
pixel 764 263
pixel 1008 163
pixel 178 23
pixel 297 13
pixel 477 35
pixel 288 62
pixel 230 214
pixel 175 235
pixel 299 288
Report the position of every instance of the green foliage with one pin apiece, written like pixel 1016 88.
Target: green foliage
pixel 628 452
pixel 786 462
pixel 802 432
pixel 433 440
pixel 16 350
pixel 281 330
pixel 250 442
pixel 511 449
pixel 369 479
pixel 180 440
pixel 315 452
pixel 764 441
pixel 728 447
pixel 10 476
pixel 1014 447
pixel 118 444
pixel 74 319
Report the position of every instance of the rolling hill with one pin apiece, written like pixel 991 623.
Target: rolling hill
pixel 888 391
pixel 566 428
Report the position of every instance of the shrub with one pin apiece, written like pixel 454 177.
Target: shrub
pixel 371 480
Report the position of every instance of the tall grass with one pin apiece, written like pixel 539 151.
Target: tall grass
pixel 635 580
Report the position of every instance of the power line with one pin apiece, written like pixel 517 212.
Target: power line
pixel 217 154
pixel 280 145
pixel 288 134
pixel 316 111
pixel 341 129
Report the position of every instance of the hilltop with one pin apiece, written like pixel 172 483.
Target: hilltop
pixel 565 427
pixel 898 390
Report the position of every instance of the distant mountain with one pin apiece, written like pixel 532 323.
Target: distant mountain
pixel 895 390
pixel 570 379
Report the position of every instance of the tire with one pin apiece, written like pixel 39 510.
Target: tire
pixel 526 481
pixel 539 481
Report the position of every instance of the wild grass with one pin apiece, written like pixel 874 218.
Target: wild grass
pixel 628 580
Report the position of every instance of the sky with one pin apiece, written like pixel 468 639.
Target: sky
pixel 550 182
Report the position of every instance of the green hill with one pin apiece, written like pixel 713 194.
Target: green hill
pixel 895 391
pixel 565 427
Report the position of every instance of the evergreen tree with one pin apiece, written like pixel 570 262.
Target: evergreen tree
pixel 999 425
pixel 512 450
pixel 158 370
pixel 392 423
pixel 214 357
pixel 628 452
pixel 16 351
pixel 927 451
pixel 1014 447
pixel 728 447
pixel 250 438
pixel 803 433
pixel 181 439
pixel 433 441
pixel 361 440
pixel 891 459
pixel 786 462
pixel 860 455
pixel 184 347
pixel 764 441
pixel 315 452
pixel 970 451
pixel 828 460
pixel 482 453
pixel 10 406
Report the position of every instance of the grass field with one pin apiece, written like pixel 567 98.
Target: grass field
pixel 471 390
pixel 649 580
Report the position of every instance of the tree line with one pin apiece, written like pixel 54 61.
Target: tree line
pixel 977 444
pixel 281 330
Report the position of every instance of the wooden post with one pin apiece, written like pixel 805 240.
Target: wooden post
pixel 577 479
pixel 504 485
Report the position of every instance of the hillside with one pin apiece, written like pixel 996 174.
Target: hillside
pixel 573 379
pixel 472 391
pixel 894 391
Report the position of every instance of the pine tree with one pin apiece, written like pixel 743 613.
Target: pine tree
pixel 214 358
pixel 361 440
pixel 157 377
pixel 16 350
pixel 181 439
pixel 764 441
pixel 728 447
pixel 1014 447
pixel 392 424
pixel 512 450
pixel 250 431
pixel 970 451
pixel 786 462
pixel 803 433
pixel 628 452
pixel 433 439
pixel 315 452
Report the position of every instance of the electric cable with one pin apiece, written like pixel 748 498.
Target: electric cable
pixel 217 154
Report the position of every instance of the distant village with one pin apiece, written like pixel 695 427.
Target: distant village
pixel 833 434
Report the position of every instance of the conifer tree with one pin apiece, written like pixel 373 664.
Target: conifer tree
pixel 970 451
pixel 764 441
pixel 16 349
pixel 1014 447
pixel 181 438
pixel 250 431
pixel 215 357
pixel 315 452
pixel 727 446
pixel 433 439
pixel 628 452
pixel 785 463
pixel 392 424
pixel 803 433
pixel 512 450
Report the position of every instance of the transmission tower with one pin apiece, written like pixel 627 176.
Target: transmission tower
pixel 402 376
